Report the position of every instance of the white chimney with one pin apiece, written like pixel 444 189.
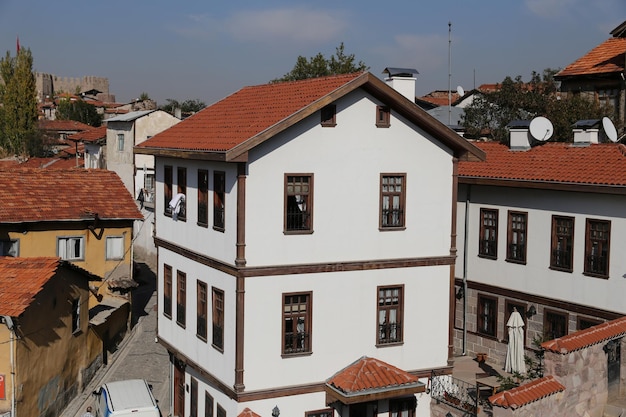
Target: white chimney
pixel 519 135
pixel 586 132
pixel 402 80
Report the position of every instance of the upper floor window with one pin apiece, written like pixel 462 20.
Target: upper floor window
pixel 10 247
pixel 120 142
pixel 516 239
pixel 167 189
pixel 383 116
pixel 71 248
pixel 329 116
pixel 218 319
pixel 201 318
pixel 115 247
pixel 148 190
pixel 597 240
pixel 298 203
pixel 487 315
pixel 488 242
pixel 392 201
pixel 181 178
pixel 585 323
pixel 181 298
pixel 75 315
pixel 208 404
pixel 562 253
pixel 203 197
pixel 297 323
pixel 609 98
pixel 167 291
pixel 219 206
pixel 390 315
pixel 554 324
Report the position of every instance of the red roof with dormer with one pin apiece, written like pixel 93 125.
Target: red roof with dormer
pixel 527 393
pixel 554 162
pixel 36 195
pixel 606 58
pixel 21 279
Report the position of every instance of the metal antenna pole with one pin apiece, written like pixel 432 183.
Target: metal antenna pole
pixel 449 73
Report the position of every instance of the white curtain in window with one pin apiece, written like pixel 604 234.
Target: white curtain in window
pixel 62 248
pixel 115 247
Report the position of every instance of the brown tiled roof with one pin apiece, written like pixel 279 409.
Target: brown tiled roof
pixel 608 57
pixel 21 279
pixel 439 97
pixel 34 195
pixel 62 125
pixel 527 393
pixel 56 162
pixel 248 413
pixel 596 164
pixel 369 374
pixel 91 135
pixel 587 337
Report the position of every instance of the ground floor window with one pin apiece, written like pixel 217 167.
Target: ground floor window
pixel 402 407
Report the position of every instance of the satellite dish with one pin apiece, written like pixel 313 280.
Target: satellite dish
pixel 460 91
pixel 541 128
pixel 609 129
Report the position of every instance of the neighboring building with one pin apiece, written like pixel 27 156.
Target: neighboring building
pixel 599 75
pixel 541 227
pixel 82 216
pixel 92 145
pixel 44 354
pixel 314 249
pixel 137 171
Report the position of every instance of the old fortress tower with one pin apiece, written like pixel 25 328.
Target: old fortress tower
pixel 48 85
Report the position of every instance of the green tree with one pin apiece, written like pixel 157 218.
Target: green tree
pixel 18 114
pixel 187 107
pixel 80 111
pixel 514 99
pixel 319 66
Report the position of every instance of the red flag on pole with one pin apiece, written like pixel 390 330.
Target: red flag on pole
pixel 18 45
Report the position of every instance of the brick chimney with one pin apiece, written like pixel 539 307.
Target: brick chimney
pixel 402 80
pixel 586 132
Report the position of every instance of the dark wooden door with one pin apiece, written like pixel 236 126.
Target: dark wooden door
pixel 179 389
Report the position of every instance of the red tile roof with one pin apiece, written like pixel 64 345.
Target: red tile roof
pixel 248 413
pixel 33 195
pixel 91 135
pixel 21 279
pixel 596 164
pixel 527 393
pixel 587 337
pixel 56 162
pixel 608 57
pixel 244 114
pixel 368 374
pixel 439 97
pixel 63 125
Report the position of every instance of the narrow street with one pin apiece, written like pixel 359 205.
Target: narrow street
pixel 138 356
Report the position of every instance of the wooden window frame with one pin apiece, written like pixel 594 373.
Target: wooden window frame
pixel 383 116
pixel 167 291
pixel 217 301
pixel 583 323
pixel 219 201
pixel 562 259
pixel 208 404
pixel 221 412
pixel 547 325
pixel 508 309
pixel 517 237
pixel 488 244
pixel 397 406
pixel 168 181
pixel 392 218
pixel 201 310
pixel 181 299
pixel 181 184
pixel 290 334
pixel 383 305
pixel 203 198
pixel 489 317
pixel 595 268
pixel 298 203
pixel 193 398
pixel 328 115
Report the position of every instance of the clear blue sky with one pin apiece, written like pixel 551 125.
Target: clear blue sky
pixel 206 50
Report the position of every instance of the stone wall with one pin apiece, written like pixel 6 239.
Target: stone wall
pixel 49 84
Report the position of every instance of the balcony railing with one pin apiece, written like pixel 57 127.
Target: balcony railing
pixel 454 392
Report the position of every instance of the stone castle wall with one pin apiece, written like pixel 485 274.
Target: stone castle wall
pixel 48 84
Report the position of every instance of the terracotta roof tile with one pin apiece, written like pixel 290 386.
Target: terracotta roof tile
pixel 608 57
pixel 248 413
pixel 440 97
pixel 527 393
pixel 21 279
pixel 32 195
pixel 596 164
pixel 56 162
pixel 91 135
pixel 63 125
pixel 244 114
pixel 587 337
pixel 368 374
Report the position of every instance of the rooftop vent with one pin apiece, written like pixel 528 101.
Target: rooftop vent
pixel 402 80
pixel 586 132
pixel 519 135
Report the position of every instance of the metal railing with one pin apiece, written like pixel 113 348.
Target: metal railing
pixel 454 392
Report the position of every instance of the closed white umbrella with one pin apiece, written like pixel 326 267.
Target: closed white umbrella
pixel 515 350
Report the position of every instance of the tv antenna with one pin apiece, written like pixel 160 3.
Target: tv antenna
pixel 609 129
pixel 449 73
pixel 541 128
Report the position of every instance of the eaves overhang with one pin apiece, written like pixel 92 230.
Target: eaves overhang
pixel 333 394
pixel 545 185
pixel 194 154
